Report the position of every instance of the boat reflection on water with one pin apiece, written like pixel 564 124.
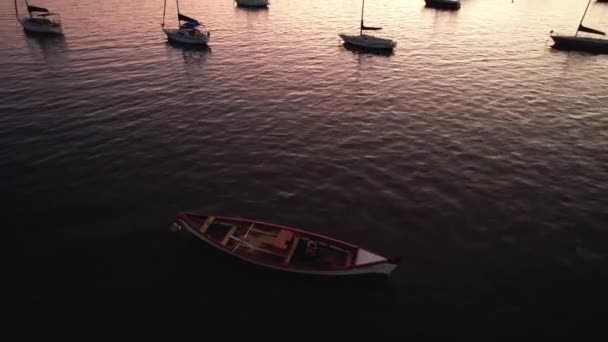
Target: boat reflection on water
pixel 253 15
pixel 52 46
pixel 192 53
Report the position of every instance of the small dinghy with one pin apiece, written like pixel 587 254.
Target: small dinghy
pixel 252 3
pixel 189 31
pixel 40 20
pixel 575 42
pixel 366 41
pixel 444 4
pixel 283 248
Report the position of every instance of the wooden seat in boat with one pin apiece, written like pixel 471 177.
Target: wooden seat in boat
pixel 292 249
pixel 228 235
pixel 207 224
pixel 282 239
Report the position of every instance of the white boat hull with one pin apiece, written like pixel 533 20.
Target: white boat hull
pixel 368 42
pixel 379 268
pixel 252 3
pixel 174 35
pixel 33 27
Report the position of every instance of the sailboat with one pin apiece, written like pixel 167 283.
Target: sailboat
pixel 252 3
pixel 189 30
pixel 367 41
pixel 445 4
pixel 40 20
pixel 575 42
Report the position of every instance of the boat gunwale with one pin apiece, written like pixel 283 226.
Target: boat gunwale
pixel 183 215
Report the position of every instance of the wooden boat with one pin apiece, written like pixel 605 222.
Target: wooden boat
pixel 444 4
pixel 576 42
pixel 283 248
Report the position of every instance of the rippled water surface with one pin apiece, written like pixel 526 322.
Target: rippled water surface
pixel 475 151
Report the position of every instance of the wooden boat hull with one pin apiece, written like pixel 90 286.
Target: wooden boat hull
pixel 451 5
pixel 580 43
pixel 368 263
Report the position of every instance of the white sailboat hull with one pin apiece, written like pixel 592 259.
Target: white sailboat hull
pixel 252 3
pixel 35 27
pixel 182 36
pixel 368 42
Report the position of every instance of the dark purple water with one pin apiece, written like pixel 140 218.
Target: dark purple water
pixel 475 152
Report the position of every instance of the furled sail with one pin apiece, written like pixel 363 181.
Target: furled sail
pixel 188 19
pixel 36 9
pixel 371 28
pixel 589 30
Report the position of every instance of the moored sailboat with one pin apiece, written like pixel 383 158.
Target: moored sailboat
pixel 40 20
pixel 368 41
pixel 576 42
pixel 443 4
pixel 252 3
pixel 189 30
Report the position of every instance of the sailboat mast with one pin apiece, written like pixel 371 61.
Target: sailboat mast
pixel 361 26
pixel 164 9
pixel 177 2
pixel 583 18
pixel 16 10
pixel 28 8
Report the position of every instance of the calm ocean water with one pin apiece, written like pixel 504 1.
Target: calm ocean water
pixel 474 151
